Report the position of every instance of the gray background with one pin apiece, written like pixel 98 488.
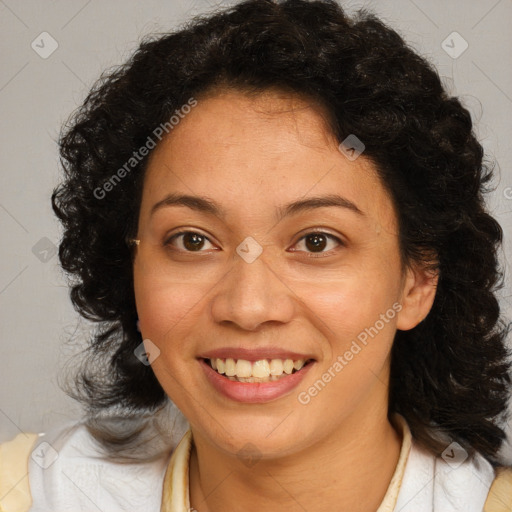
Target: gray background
pixel 39 330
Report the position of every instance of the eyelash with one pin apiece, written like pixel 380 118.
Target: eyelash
pixel 168 241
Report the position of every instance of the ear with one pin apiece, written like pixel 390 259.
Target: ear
pixel 418 294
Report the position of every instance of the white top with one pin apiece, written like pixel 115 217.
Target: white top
pixel 67 472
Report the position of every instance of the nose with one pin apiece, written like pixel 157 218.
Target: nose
pixel 251 295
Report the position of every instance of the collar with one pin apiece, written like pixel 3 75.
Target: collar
pixel 176 497
pixel 421 482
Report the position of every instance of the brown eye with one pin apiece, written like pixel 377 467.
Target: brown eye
pixel 188 241
pixel 317 242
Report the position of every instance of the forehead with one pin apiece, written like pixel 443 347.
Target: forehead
pixel 272 119
pixel 253 151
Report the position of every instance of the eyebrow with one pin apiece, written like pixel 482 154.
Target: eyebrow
pixel 204 205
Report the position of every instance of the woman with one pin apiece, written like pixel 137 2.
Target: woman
pixel 276 217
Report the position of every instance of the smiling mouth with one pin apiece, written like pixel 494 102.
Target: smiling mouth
pixel 263 370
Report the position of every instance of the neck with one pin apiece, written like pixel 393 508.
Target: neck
pixel 331 475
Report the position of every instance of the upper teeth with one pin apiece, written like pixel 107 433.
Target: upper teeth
pixel 260 369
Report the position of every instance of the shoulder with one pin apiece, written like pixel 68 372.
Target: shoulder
pixel 14 483
pixel 76 471
pixel 475 478
pixel 500 493
pixel 68 470
pixel 453 482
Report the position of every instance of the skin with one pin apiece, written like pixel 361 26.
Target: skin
pixel 251 155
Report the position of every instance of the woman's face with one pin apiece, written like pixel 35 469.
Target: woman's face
pixel 290 251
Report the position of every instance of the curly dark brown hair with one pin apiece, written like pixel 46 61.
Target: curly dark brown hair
pixel 450 374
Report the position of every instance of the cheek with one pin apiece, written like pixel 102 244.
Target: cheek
pixel 359 335
pixel 167 308
pixel 358 319
pixel 348 303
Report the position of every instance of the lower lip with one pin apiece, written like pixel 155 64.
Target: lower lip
pixel 254 392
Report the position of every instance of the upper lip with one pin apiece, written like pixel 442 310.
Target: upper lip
pixel 254 354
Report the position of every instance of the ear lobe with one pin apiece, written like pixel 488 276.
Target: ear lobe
pixel 418 294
